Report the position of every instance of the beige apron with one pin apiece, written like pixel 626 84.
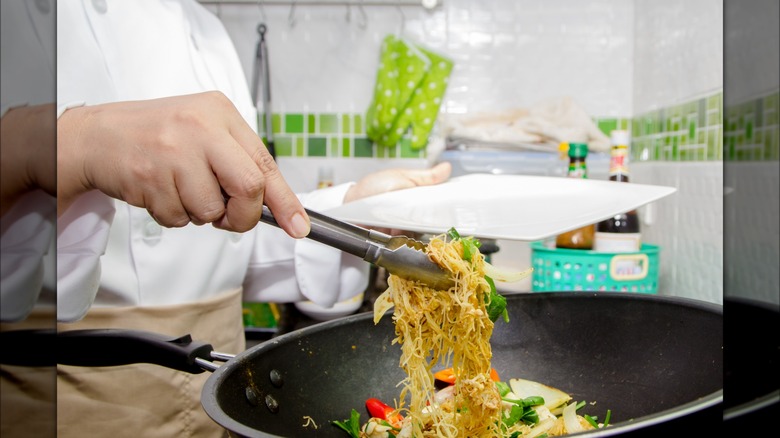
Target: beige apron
pixel 28 394
pixel 145 400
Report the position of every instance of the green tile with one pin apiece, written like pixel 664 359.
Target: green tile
pixel 293 123
pixel 364 148
pixel 276 123
pixel 333 146
pixel 691 129
pixel 346 123
pixel 311 126
pixel 713 102
pixel 300 147
pixel 359 126
pixel 607 125
pixel 406 149
pixel 345 147
pixel 329 124
pixel 749 130
pixel 624 123
pixel 283 146
pixel 317 147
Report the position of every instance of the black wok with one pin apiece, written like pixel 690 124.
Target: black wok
pixel 655 362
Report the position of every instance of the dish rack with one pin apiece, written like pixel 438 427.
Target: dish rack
pixel 561 270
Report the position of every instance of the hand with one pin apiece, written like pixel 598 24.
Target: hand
pixel 29 152
pixel 397 179
pixel 175 157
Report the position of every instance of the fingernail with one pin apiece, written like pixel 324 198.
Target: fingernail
pixel 300 226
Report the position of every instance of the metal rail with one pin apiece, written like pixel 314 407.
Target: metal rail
pixel 427 4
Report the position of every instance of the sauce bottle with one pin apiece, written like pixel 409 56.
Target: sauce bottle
pixel 619 233
pixel 580 238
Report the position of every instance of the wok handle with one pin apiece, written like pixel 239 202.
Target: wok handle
pixel 112 347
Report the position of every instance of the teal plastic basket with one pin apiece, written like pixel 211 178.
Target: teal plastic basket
pixel 561 270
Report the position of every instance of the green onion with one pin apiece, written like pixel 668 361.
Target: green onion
pixel 503 388
pixel 497 303
pixel 591 420
pixel 606 420
pixel 350 425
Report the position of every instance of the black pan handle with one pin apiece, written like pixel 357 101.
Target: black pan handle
pixel 29 347
pixel 112 347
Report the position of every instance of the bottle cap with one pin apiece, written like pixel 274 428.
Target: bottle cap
pixel 578 150
pixel 620 137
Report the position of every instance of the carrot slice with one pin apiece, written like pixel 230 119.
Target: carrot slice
pixel 447 375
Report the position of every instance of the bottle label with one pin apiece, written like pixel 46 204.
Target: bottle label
pixel 617 242
pixel 618 162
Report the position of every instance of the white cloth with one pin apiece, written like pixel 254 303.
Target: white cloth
pixel 113 254
pixel 27 255
pixel 542 127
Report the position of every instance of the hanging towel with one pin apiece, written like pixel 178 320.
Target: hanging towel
pixel 410 84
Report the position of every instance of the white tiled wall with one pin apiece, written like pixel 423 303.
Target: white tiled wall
pixel 752 208
pixel 678 51
pixel 507 52
pixel 687 225
pixel 616 58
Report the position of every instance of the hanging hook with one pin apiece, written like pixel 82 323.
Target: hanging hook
pixel 291 15
pixel 263 17
pixel 363 20
pixel 403 17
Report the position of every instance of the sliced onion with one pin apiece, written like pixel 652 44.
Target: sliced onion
pixel 527 388
pixel 540 428
pixel 382 304
pixel 570 419
pixel 506 275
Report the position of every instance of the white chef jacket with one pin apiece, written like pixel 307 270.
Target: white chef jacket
pixel 112 254
pixel 27 256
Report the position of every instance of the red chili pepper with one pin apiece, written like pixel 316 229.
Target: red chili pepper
pixel 379 409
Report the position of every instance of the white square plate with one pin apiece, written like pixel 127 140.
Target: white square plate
pixel 513 207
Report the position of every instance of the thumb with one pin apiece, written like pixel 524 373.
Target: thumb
pixel 434 175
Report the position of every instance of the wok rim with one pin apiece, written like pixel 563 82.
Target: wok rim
pixel 217 414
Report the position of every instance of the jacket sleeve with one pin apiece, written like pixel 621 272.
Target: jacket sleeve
pixel 283 269
pixel 82 236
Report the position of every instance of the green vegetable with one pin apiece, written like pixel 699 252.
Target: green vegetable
pixel 503 388
pixel 592 420
pixel 534 400
pixel 606 420
pixel 497 303
pixel 522 410
pixel 470 244
pixel 350 425
pixel 519 413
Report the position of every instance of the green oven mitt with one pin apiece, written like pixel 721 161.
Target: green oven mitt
pixel 410 84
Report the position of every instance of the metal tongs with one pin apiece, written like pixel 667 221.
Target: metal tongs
pixel 400 255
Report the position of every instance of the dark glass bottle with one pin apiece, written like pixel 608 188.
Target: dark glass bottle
pixel 581 238
pixel 620 233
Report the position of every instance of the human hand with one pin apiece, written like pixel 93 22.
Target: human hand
pixel 28 157
pixel 397 179
pixel 185 159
